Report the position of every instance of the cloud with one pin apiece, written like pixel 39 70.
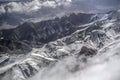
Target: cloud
pixel 2 10
pixel 69 5
pixel 32 6
pixel 96 69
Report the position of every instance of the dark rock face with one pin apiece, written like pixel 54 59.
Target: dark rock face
pixel 10 45
pixel 87 51
pixel 4 49
pixel 3 60
pixel 49 30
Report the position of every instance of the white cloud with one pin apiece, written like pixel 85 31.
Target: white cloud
pixel 69 5
pixel 33 6
pixel 49 4
pixel 2 10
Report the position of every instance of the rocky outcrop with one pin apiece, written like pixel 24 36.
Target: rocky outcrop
pixel 87 51
pixel 10 45
pixel 3 60
pixel 46 31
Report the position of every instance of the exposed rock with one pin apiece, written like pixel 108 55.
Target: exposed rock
pixel 87 51
pixel 3 60
pixel 10 45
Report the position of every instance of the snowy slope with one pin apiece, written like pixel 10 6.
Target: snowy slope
pixel 103 66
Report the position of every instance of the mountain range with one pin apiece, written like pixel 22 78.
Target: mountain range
pixel 32 46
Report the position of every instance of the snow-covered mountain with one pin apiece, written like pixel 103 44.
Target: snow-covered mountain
pixel 89 52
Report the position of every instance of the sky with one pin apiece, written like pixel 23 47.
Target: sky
pixel 97 5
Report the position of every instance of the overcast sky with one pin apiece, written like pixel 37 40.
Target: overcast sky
pixel 96 5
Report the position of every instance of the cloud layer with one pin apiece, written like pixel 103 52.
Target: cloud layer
pixel 32 6
pixel 81 5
